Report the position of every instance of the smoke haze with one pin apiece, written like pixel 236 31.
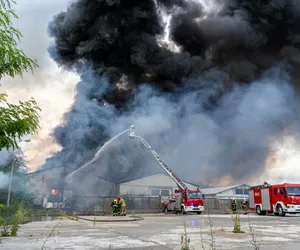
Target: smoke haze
pixel 211 98
pixel 4 179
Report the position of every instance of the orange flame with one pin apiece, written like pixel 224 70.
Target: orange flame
pixel 55 191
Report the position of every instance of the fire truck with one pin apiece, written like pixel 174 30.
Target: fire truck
pixel 278 199
pixel 185 200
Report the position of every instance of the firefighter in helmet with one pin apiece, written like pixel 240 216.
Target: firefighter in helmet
pixel 122 205
pixel 233 205
pixel 115 207
pixel 245 206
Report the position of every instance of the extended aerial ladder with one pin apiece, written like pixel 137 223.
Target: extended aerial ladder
pixel 185 200
pixel 133 134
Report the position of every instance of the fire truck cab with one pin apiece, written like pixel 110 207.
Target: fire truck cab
pixel 279 199
pixel 185 201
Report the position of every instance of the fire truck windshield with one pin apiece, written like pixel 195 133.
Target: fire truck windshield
pixel 194 195
pixel 293 191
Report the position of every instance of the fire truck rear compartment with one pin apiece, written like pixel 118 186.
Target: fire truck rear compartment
pixel 265 196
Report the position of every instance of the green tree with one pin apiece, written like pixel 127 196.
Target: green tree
pixel 20 192
pixel 22 119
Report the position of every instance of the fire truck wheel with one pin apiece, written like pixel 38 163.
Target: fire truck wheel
pixel 199 212
pixel 280 210
pixel 259 212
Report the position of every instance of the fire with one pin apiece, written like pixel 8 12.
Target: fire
pixel 55 191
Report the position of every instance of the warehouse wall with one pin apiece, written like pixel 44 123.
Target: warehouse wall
pixel 154 185
pixel 241 191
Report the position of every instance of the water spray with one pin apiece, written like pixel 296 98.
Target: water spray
pixel 96 155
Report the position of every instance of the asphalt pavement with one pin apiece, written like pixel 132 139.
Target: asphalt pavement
pixel 159 232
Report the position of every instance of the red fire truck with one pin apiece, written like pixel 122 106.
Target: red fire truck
pixel 185 200
pixel 278 199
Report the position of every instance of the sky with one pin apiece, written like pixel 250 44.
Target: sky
pixel 54 89
pixel 50 86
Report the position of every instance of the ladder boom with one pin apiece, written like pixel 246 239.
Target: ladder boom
pixel 170 172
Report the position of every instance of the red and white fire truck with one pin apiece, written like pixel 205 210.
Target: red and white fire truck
pixel 278 199
pixel 185 200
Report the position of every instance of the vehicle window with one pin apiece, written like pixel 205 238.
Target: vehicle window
pixel 295 191
pixel 275 191
pixel 194 195
pixel 282 190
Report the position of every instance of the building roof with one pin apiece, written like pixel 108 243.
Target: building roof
pixel 123 180
pixel 216 190
pixel 43 170
pixel 158 174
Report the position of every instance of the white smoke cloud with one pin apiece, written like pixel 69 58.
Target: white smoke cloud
pixel 4 156
pixel 4 179
pixel 52 88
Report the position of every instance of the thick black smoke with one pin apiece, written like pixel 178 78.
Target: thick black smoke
pixel 117 47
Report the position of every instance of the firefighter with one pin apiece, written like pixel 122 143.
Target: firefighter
pixel 233 205
pixel 122 206
pixel 245 206
pixel 115 207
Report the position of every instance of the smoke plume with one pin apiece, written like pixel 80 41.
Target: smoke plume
pixel 4 179
pixel 210 84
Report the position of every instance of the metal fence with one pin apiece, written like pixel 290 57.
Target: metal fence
pixel 138 204
pixel 98 205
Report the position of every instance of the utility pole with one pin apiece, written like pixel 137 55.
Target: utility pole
pixel 11 174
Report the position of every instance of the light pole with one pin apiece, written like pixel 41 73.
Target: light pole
pixel 11 176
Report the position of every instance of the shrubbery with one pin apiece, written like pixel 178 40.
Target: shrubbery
pixel 10 220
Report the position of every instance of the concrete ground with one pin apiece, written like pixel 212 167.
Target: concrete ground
pixel 158 232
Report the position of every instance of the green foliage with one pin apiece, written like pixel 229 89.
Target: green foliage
pixel 17 220
pixel 5 231
pixel 236 222
pixel 1 221
pixel 17 121
pixel 2 208
pixel 13 60
pixel 19 191
pixel 22 119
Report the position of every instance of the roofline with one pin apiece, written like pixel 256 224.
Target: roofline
pixel 228 188
pixel 43 170
pixel 272 185
pixel 191 183
pixel 155 174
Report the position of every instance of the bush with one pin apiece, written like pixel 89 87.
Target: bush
pixel 236 222
pixel 2 209
pixel 13 216
pixel 1 221
pixel 17 220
